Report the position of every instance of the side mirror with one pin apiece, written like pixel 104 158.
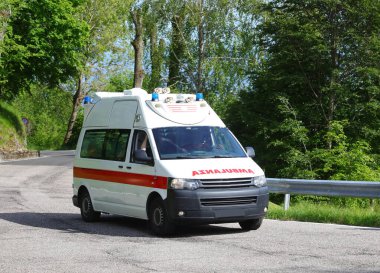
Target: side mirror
pixel 142 157
pixel 250 151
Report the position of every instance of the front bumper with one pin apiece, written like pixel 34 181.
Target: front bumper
pixel 217 205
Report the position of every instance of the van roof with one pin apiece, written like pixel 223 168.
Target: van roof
pixel 136 108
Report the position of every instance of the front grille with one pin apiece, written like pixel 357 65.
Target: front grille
pixel 226 183
pixel 229 201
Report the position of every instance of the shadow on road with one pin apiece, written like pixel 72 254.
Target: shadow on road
pixel 108 225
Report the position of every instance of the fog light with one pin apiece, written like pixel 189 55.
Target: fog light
pixel 181 213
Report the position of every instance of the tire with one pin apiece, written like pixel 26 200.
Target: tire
pixel 87 210
pixel 158 219
pixel 252 224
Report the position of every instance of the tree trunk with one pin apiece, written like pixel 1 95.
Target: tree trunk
pixel 138 45
pixel 199 86
pixel 334 79
pixel 76 104
pixel 177 50
pixel 156 56
pixel 4 17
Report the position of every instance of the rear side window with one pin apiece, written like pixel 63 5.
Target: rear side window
pixel 107 144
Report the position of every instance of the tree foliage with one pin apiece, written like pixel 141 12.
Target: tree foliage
pixel 47 118
pixel 42 43
pixel 313 106
pixel 105 20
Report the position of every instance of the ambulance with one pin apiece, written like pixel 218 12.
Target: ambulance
pixel 166 158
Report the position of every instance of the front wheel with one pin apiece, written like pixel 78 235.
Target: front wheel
pixel 87 210
pixel 252 224
pixel 159 221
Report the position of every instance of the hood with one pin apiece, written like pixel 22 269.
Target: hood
pixel 210 168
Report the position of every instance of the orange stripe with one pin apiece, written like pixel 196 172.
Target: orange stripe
pixel 143 180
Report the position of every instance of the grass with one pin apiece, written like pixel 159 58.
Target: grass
pixel 12 131
pixel 323 213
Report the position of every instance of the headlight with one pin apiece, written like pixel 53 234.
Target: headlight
pixel 259 181
pixel 183 184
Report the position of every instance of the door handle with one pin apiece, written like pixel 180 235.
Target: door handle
pixel 120 166
pixel 129 167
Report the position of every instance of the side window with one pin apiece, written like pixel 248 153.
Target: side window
pixel 92 145
pixel 105 144
pixel 116 145
pixel 141 150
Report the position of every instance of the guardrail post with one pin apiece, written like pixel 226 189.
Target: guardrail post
pixel 287 201
pixel 373 204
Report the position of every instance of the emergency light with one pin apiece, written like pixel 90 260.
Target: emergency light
pixel 87 100
pixel 199 96
pixel 155 97
pixel 180 98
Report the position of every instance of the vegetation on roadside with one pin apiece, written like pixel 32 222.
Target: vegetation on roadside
pixel 12 131
pixel 47 111
pixel 325 213
pixel 313 107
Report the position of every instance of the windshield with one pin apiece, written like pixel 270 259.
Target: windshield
pixel 196 142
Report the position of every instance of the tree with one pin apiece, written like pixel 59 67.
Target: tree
pixel 154 23
pixel 105 20
pixel 138 45
pixel 204 49
pixel 157 58
pixel 42 44
pixel 147 20
pixel 6 9
pixel 45 108
pixel 176 53
pixel 321 66
pixel 208 52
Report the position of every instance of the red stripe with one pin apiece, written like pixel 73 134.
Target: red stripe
pixel 183 111
pixel 143 180
pixel 180 106
pixel 184 108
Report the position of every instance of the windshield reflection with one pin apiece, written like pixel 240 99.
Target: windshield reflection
pixel 196 142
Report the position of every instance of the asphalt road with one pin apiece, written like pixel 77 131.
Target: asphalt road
pixel 41 231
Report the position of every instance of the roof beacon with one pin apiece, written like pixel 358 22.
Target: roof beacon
pixel 162 90
pixel 87 100
pixel 155 97
pixel 199 97
pixel 180 98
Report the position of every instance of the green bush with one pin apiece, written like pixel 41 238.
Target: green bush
pixel 10 117
pixel 48 111
pixel 12 130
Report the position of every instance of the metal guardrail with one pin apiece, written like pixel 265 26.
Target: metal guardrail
pixel 336 188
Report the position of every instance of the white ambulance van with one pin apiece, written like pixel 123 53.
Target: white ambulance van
pixel 166 158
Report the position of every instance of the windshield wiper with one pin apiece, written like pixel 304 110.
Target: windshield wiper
pixel 193 157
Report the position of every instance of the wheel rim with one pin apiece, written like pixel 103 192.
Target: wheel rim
pixel 158 216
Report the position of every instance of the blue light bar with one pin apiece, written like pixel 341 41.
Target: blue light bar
pixel 199 96
pixel 87 100
pixel 155 97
